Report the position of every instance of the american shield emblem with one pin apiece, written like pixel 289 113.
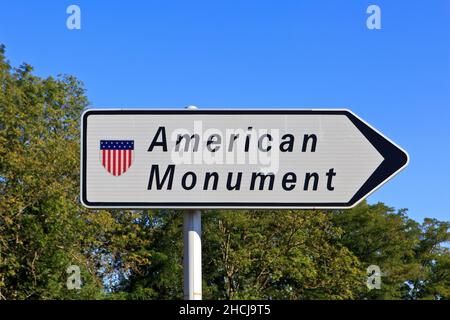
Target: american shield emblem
pixel 117 156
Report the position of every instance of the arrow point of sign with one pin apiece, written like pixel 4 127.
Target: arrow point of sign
pixel 395 159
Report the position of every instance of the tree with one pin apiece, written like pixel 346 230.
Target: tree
pixel 254 255
pixel 38 169
pixel 162 276
pixel 411 256
pixel 43 228
pixel 433 280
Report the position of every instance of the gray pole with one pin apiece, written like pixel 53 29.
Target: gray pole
pixel 192 256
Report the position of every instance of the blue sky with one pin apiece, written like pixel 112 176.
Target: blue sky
pixel 308 54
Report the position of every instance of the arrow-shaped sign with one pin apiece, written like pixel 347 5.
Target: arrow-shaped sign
pixel 232 159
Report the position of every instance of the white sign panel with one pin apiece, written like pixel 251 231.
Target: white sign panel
pixel 232 159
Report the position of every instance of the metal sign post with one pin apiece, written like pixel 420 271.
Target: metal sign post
pixel 192 258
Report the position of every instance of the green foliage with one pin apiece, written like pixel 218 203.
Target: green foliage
pixel 253 255
pixel 278 255
pixel 131 254
pixel 43 229
pixel 432 281
pixel 412 258
pixel 39 211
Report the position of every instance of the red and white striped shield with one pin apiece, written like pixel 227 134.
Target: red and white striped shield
pixel 117 156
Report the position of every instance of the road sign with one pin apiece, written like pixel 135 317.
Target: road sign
pixel 232 159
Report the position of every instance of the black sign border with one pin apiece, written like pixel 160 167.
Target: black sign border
pixel 395 160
